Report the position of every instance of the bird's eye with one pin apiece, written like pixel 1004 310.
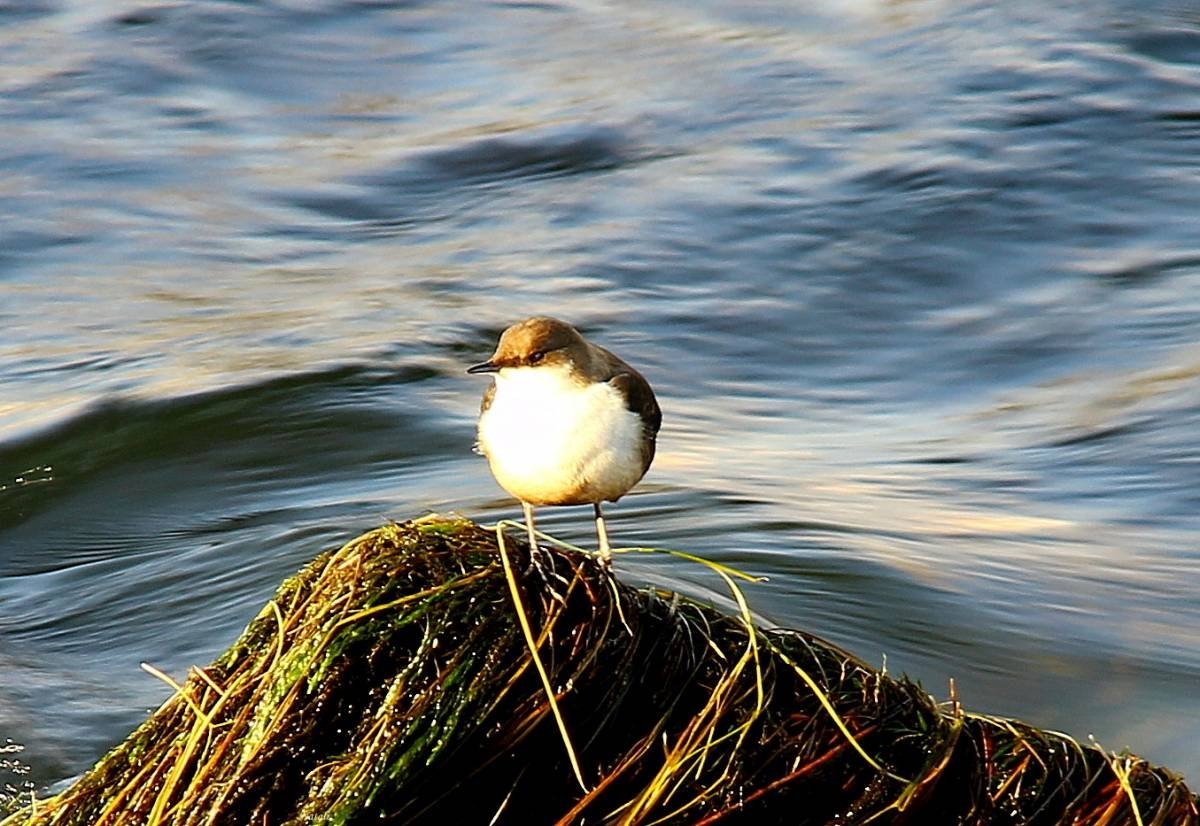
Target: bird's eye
pixel 536 356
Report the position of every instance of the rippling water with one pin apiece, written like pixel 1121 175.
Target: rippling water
pixel 918 284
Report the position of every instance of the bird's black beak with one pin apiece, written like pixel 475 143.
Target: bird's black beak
pixel 486 367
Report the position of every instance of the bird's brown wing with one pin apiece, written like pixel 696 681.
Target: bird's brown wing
pixel 484 404
pixel 488 395
pixel 640 399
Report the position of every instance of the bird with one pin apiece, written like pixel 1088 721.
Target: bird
pixel 564 421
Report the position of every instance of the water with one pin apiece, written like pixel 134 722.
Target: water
pixel 918 284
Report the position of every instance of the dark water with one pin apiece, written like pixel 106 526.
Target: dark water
pixel 918 284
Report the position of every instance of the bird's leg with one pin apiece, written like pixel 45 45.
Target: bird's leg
pixel 535 562
pixel 529 527
pixel 602 535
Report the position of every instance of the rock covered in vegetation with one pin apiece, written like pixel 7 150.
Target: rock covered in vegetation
pixel 390 681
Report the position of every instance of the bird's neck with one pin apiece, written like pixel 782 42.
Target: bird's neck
pixel 548 380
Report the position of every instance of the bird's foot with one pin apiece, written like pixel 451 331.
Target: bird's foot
pixel 546 572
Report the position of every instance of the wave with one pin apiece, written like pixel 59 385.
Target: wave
pixel 425 183
pixel 345 416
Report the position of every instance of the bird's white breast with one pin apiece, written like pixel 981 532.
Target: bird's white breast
pixel 551 440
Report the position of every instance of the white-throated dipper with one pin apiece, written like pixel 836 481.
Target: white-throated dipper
pixel 565 422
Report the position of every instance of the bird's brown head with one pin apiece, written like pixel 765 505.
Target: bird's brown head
pixel 536 342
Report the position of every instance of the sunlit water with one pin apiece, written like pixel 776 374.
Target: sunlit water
pixel 917 283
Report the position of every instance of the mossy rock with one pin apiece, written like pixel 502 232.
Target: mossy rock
pixel 390 681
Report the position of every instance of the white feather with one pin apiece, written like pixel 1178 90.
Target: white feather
pixel 552 440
